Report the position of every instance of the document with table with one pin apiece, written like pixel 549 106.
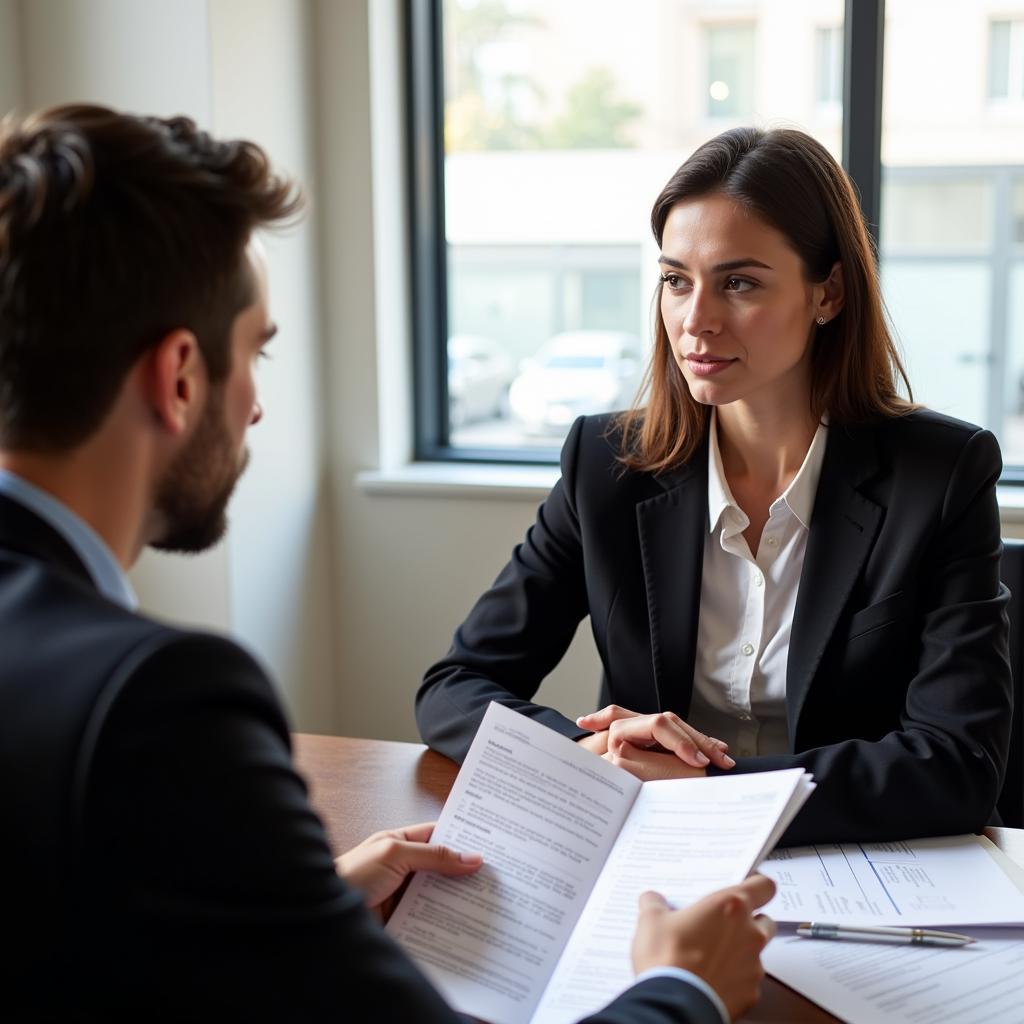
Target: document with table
pixel 542 932
pixel 960 881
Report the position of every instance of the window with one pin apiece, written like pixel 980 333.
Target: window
pixel 1006 60
pixel 542 133
pixel 951 209
pixel 730 69
pixel 829 70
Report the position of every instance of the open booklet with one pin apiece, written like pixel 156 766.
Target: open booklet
pixel 542 932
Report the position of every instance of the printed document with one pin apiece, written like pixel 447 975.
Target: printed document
pixel 868 983
pixel 542 932
pixel 921 882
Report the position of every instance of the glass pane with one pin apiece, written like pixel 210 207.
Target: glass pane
pixel 945 343
pixel 999 60
pixel 1018 211
pixel 830 64
pixel 911 200
pixel 951 207
pixel 563 120
pixel 730 78
pixel 1013 431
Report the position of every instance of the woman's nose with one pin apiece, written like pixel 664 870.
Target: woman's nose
pixel 702 314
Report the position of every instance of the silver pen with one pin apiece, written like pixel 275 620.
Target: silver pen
pixel 908 936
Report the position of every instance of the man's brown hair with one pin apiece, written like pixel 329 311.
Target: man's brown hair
pixel 116 229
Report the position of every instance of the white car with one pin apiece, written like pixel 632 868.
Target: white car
pixel 479 374
pixel 575 373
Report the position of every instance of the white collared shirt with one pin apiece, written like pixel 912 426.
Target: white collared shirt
pixel 746 609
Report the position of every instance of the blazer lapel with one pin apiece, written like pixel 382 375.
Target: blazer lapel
pixel 844 525
pixel 671 527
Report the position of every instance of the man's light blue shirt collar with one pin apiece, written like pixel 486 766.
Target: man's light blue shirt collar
pixel 97 558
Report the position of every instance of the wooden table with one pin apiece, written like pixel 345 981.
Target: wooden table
pixel 361 786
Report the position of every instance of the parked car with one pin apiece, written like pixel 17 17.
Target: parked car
pixel 479 375
pixel 573 373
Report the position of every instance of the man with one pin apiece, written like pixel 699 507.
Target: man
pixel 161 860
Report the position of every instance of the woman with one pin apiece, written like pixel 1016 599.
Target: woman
pixel 784 563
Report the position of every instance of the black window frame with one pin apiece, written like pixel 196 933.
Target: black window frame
pixel 863 39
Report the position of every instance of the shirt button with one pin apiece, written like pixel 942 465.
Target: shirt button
pixel 770 541
pixel 758 580
pixel 747 649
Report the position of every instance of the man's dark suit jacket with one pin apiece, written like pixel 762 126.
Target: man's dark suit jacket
pixel 898 691
pixel 160 860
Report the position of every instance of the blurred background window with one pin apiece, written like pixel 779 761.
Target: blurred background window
pixel 952 264
pixel 562 120
pixel 829 71
pixel 1006 59
pixel 730 59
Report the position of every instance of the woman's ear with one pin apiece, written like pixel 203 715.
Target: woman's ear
pixel 830 294
pixel 174 380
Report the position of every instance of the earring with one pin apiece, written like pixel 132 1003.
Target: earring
pixel 821 321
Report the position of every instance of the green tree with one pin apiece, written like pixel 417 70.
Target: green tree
pixel 593 117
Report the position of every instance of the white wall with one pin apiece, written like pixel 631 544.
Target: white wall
pixel 239 67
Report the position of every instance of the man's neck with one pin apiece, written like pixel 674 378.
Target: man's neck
pixel 97 489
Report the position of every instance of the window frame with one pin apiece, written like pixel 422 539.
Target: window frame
pixel 863 38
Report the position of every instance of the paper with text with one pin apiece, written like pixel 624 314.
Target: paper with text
pixel 683 849
pixel 884 984
pixel 544 814
pixel 923 882
pixel 547 815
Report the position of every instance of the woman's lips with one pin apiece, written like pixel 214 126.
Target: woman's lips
pixel 707 366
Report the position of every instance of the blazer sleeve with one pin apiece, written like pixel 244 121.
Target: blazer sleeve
pixel 517 631
pixel 207 886
pixel 208 881
pixel 939 769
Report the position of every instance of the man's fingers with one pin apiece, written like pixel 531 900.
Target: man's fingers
pixel 420 833
pixel 442 859
pixel 757 890
pixel 652 903
pixel 766 926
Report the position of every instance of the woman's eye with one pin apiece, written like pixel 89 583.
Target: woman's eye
pixel 738 284
pixel 672 280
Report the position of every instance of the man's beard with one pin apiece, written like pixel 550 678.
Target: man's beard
pixel 192 498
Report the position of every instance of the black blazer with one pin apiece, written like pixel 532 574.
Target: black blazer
pixel 898 691
pixel 160 860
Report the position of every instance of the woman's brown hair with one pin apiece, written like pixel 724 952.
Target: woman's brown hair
pixel 793 183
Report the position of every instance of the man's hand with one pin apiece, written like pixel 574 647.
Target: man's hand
pixel 664 732
pixel 717 938
pixel 381 864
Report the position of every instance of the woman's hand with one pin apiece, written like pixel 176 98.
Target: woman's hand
pixel 642 740
pixel 381 864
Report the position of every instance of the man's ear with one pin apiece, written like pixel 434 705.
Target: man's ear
pixel 174 380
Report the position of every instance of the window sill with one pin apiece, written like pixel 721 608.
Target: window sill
pixel 528 483
pixel 461 480
pixel 1011 504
